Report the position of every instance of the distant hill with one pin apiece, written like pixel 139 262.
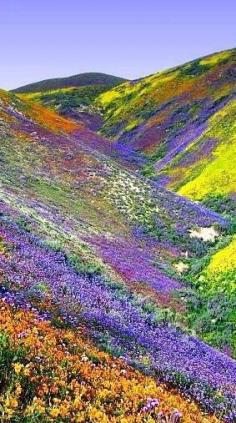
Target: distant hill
pixel 80 80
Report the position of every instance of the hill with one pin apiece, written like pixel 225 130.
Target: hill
pixel 86 241
pixel 80 80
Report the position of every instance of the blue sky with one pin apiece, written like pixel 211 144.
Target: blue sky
pixel 51 38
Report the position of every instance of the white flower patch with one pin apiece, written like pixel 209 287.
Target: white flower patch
pixel 181 267
pixel 206 234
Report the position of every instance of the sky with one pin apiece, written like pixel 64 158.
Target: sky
pixel 42 39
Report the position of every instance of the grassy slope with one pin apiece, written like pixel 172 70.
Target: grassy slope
pixel 160 116
pixel 151 100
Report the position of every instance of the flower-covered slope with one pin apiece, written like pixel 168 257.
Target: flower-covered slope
pixel 160 115
pixel 55 374
pixel 186 93
pixel 64 169
pixel 119 320
pixel 88 242
pixel 206 168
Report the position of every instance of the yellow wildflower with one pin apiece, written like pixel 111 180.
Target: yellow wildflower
pixel 54 412
pixel 18 367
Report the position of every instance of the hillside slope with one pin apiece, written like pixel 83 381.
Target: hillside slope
pixel 160 115
pixel 86 240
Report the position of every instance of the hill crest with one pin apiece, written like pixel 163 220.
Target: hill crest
pixel 79 80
